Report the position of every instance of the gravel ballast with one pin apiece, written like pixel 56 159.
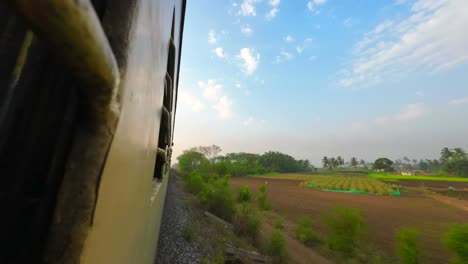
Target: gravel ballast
pixel 173 247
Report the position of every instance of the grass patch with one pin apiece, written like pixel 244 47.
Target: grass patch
pixel 275 247
pixel 345 230
pixel 385 176
pixel 407 246
pixel 305 232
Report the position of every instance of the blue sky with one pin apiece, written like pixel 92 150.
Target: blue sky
pixel 358 78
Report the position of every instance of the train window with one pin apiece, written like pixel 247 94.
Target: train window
pixel 165 128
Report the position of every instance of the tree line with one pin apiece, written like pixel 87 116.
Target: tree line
pixel 452 161
pixel 207 159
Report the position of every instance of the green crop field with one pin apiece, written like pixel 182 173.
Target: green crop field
pixel 350 183
pixel 385 176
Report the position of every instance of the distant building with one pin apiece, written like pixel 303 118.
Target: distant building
pixel 407 173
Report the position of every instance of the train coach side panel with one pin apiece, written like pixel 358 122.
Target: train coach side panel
pixel 129 206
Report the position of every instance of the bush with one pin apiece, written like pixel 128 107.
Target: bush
pixel 275 247
pixel 407 246
pixel 456 239
pixel 243 194
pixel 247 223
pixel 279 224
pixel 304 231
pixel 219 198
pixel 195 183
pixel 262 201
pixel 345 229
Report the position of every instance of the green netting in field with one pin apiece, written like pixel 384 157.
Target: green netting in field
pixel 310 185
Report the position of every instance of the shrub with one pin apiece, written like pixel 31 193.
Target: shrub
pixel 195 183
pixel 345 229
pixel 279 224
pixel 262 201
pixel 304 231
pixel 218 259
pixel 407 245
pixel 243 194
pixel 275 247
pixel 219 198
pixel 247 223
pixel 456 239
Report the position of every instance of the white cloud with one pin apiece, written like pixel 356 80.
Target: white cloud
pixel 357 126
pixel 192 101
pixel 219 52
pixel 251 59
pixel 212 36
pixel 286 55
pixel 224 107
pixel 246 30
pixel 252 122
pixel 247 8
pixel 274 2
pixel 412 111
pixel 420 93
pixel 273 12
pixel 313 58
pixel 311 4
pixel 289 39
pixel 459 101
pixel 300 48
pixel 349 22
pixel 432 38
pixel 212 90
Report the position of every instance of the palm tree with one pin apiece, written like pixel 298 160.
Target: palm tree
pixel 325 162
pixel 340 161
pixel 458 154
pixel 446 154
pixel 354 162
pixel 333 163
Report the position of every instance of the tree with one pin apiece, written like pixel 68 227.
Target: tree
pixel 190 160
pixel 333 163
pixel 210 152
pixel 382 164
pixel 340 161
pixel 423 165
pixel 362 163
pixel 458 154
pixel 354 162
pixel 325 162
pixel 446 154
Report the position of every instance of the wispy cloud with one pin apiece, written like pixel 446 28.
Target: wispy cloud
pixel 251 60
pixel 349 22
pixel 253 122
pixel 212 36
pixel 246 30
pixel 289 39
pixel 219 52
pixel 188 99
pixel 313 3
pixel 224 107
pixel 274 9
pixel 412 111
pixel 214 91
pixel 433 38
pixel 459 101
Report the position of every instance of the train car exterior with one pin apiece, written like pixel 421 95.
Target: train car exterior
pixel 87 108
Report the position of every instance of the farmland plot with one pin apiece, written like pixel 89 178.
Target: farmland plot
pixel 350 184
